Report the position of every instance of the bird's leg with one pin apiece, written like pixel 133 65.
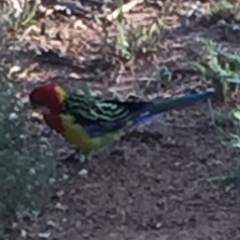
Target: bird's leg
pixel 75 157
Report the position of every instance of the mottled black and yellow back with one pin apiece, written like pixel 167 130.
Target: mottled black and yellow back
pixel 100 116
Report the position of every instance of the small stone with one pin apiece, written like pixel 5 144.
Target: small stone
pixel 60 193
pixel 52 224
pixel 23 233
pixel 82 158
pixel 32 171
pixel 14 69
pixel 65 177
pixel 177 164
pixel 158 225
pixel 36 115
pixel 61 207
pixel 13 116
pixel 78 224
pixel 14 224
pixel 74 75
pixel 52 180
pixel 44 235
pixel 83 172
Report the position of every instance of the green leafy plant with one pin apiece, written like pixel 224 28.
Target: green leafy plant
pixel 220 68
pixel 27 164
pixel 227 10
pixel 133 41
pixel 26 17
pixel 127 41
pixel 231 138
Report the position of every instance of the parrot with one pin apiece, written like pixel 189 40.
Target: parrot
pixel 92 122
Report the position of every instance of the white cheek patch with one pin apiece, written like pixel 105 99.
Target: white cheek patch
pixel 44 110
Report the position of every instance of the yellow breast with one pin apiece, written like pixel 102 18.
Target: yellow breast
pixel 75 134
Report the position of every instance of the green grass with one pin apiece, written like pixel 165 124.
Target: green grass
pixel 127 41
pixel 132 41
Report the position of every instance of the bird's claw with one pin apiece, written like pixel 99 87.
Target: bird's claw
pixel 75 157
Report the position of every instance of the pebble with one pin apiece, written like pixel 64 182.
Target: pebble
pixel 44 235
pixel 83 172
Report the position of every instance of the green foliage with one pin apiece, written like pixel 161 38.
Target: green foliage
pixel 233 119
pixel 133 41
pixel 225 9
pixel 220 68
pixel 27 17
pixel 222 5
pixel 233 140
pixel 126 40
pixel 27 166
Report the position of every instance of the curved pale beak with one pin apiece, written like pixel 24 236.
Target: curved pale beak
pixel 41 109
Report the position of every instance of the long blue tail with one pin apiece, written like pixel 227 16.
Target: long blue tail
pixel 158 106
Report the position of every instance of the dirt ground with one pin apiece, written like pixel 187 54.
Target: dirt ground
pixel 149 187
pixel 150 190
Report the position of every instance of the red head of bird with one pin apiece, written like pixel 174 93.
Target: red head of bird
pixel 48 98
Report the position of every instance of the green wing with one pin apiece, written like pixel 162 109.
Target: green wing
pixel 96 115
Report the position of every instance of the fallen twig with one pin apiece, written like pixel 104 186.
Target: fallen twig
pixel 124 8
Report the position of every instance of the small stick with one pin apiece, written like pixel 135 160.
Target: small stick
pixel 125 8
pixel 211 111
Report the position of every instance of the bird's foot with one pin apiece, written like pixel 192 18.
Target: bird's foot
pixel 75 157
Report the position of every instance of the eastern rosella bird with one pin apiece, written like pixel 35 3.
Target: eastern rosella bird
pixel 91 122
